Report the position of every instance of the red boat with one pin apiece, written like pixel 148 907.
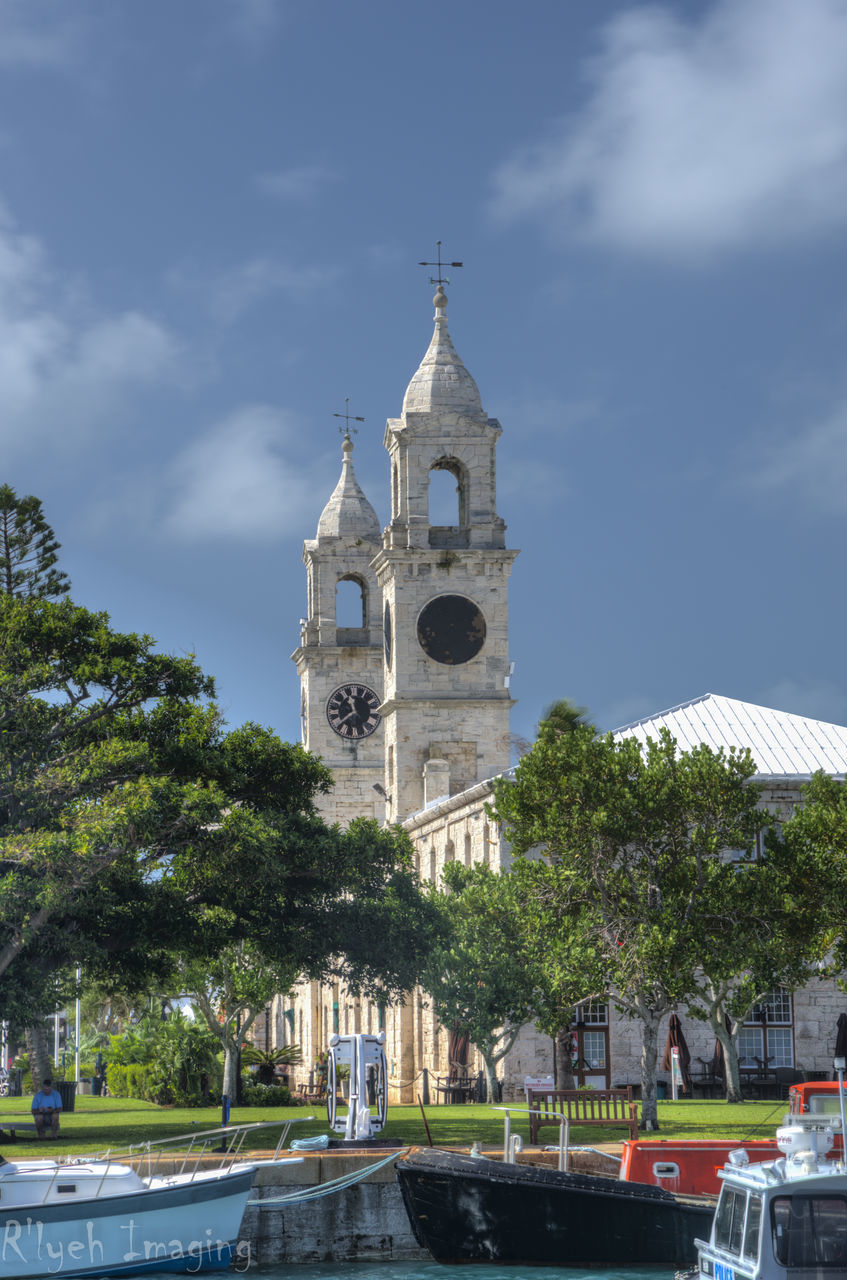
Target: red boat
pixel 690 1167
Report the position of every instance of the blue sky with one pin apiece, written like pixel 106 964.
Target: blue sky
pixel 211 213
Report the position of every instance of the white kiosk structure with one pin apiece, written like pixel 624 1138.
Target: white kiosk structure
pixel 365 1056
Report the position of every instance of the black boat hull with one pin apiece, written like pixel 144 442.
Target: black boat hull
pixel 464 1209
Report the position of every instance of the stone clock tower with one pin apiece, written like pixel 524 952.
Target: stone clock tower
pixel 340 667
pixel 445 713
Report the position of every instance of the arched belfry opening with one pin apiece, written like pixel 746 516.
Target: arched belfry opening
pixel 351 610
pixel 448 503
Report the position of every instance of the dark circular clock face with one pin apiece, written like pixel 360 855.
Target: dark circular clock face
pixel 451 629
pixel 386 631
pixel 352 711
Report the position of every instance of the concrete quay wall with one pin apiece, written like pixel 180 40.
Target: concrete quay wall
pixel 363 1223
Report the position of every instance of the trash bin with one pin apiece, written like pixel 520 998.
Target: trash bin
pixel 661 1090
pixel 67 1092
pixel 97 1085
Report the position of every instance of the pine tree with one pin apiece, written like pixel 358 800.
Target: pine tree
pixel 28 549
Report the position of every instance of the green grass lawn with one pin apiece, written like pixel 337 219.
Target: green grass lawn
pixel 99 1123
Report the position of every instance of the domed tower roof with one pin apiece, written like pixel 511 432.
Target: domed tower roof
pixel 442 381
pixel 348 514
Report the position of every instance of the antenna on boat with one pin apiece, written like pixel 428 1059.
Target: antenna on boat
pixel 840 1066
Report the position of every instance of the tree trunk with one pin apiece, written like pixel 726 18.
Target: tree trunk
pixel 40 1063
pixel 563 1059
pixel 231 1063
pixel 492 1084
pixel 650 1019
pixel 732 1073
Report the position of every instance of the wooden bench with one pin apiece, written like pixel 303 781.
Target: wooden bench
pixel 582 1106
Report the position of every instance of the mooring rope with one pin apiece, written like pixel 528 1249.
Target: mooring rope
pixel 329 1188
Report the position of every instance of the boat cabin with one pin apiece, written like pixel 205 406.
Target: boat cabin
pixel 781 1217
pixel 814 1097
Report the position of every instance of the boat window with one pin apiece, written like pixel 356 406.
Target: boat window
pixel 666 1169
pixel 823 1105
pixel 66 1188
pixel 810 1231
pixel 751 1231
pixel 729 1219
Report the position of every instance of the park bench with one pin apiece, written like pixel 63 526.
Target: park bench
pixel 10 1126
pixel 582 1106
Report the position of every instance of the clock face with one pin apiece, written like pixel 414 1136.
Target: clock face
pixel 352 711
pixel 386 631
pixel 451 629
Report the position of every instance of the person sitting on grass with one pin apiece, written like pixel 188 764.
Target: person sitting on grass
pixel 46 1106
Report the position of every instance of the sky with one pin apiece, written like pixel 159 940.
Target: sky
pixel 211 216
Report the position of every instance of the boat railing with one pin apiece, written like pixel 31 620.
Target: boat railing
pixel 513 1143
pixel 188 1151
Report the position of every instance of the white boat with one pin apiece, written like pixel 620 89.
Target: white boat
pixel 175 1206
pixel 784 1219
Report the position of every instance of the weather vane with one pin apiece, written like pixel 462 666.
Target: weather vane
pixel 440 279
pixel 348 418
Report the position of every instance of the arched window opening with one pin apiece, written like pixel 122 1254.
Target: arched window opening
pixel 467 849
pixel 448 503
pixel 351 610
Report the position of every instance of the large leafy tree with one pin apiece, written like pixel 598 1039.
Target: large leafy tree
pixel 813 843
pixel 476 972
pixel 80 787
pixel 633 837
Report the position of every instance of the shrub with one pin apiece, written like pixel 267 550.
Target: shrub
pixel 266 1095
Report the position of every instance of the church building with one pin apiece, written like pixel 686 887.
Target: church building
pixel 409 709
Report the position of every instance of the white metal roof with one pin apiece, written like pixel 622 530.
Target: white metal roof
pixel 783 745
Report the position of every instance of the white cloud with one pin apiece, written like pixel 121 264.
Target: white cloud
pixel 36 34
pixel 65 372
pixel 810 466
pixel 243 480
pixel 227 294
pixel 299 184
pixel 699 136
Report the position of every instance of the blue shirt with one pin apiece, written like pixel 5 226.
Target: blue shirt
pixel 49 1099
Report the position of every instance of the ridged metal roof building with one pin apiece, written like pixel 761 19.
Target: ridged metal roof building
pixel 784 746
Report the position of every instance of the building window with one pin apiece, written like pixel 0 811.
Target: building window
pixel 767 1037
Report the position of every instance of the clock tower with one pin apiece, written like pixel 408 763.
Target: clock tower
pixel 340 666
pixel 445 713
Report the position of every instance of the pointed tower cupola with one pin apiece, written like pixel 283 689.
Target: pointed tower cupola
pixel 443 427
pixel 442 382
pixel 348 514
pixel 348 537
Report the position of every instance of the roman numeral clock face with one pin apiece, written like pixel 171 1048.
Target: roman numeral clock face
pixel 352 711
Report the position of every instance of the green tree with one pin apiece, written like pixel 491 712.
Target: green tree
pixel 29 549
pixel 633 836
pixel 812 845
pixel 228 990
pixel 475 973
pixel 81 786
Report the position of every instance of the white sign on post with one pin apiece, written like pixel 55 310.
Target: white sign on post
pixel 536 1082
